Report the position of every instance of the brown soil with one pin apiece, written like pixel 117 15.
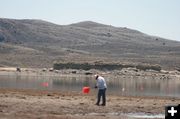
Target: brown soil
pixel 36 104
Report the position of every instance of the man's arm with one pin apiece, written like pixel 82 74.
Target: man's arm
pixel 96 86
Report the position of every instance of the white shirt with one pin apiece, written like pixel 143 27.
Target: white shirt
pixel 101 83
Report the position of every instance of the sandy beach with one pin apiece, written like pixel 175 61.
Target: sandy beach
pixel 35 104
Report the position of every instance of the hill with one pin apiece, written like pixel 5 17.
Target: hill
pixel 37 43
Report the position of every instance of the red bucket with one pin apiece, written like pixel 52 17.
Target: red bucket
pixel 45 84
pixel 86 90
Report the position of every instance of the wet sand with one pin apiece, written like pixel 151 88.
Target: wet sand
pixel 36 104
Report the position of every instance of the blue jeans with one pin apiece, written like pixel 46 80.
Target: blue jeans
pixel 101 93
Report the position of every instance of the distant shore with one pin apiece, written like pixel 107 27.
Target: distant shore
pixel 124 71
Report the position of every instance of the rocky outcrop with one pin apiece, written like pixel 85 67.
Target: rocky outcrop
pixel 104 66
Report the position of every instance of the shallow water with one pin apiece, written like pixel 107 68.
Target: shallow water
pixel 145 116
pixel 132 115
pixel 132 86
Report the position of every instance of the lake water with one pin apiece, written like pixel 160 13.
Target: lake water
pixel 132 115
pixel 133 86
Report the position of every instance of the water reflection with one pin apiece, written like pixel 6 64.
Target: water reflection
pixel 72 83
pixel 133 86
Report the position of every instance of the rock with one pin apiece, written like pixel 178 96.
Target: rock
pixel 74 72
pixel 51 69
pixel 44 69
pixel 22 97
pixel 49 94
pixel 81 103
pixel 18 69
pixel 165 72
pixel 88 73
pixel 56 71
pixel 178 69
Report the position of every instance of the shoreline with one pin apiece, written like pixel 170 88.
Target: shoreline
pixel 56 104
pixel 163 74
pixel 45 92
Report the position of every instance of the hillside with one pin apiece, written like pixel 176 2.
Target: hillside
pixel 37 43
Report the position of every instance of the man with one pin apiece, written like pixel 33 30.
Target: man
pixel 101 85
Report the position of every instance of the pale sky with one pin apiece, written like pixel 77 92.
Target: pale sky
pixel 153 17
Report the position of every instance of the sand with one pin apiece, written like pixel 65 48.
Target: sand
pixel 36 104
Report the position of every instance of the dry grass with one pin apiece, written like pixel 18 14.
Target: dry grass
pixel 36 43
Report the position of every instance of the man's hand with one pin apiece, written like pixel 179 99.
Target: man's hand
pixel 95 86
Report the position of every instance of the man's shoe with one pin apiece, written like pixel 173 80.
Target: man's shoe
pixel 103 105
pixel 97 104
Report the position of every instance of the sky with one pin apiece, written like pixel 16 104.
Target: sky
pixel 154 17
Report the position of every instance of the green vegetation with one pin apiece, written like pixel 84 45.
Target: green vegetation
pixel 103 66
